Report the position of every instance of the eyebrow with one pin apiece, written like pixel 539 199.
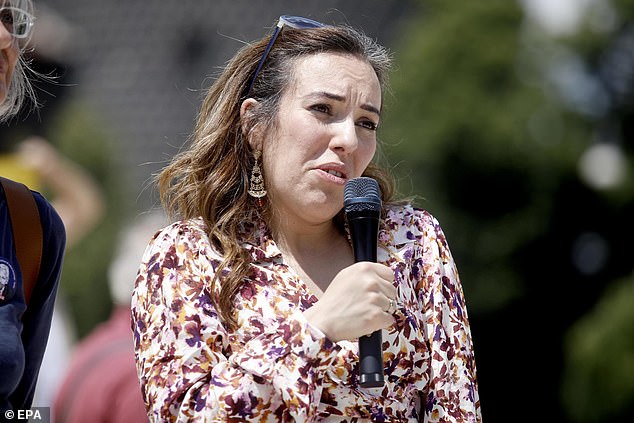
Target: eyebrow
pixel 370 108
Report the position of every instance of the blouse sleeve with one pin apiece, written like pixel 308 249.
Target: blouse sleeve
pixel 189 368
pixel 452 394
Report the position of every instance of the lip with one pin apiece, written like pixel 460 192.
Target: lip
pixel 337 167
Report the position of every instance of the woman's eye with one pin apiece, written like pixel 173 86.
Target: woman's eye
pixel 323 108
pixel 6 17
pixel 368 124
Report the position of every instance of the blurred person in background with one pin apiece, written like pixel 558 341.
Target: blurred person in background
pixel 76 196
pixel 24 330
pixel 101 384
pixel 248 308
pixel 80 204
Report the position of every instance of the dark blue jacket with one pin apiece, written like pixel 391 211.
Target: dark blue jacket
pixel 24 332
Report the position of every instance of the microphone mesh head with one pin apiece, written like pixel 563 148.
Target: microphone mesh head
pixel 361 194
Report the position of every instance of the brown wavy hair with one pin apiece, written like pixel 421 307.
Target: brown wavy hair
pixel 210 178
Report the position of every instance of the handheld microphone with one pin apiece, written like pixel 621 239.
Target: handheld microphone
pixel 362 207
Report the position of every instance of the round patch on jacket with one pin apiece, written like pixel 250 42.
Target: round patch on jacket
pixel 7 281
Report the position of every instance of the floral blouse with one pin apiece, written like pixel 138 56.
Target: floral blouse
pixel 276 367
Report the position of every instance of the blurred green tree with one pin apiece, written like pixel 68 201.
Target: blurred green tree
pixel 83 138
pixel 489 123
pixel 598 382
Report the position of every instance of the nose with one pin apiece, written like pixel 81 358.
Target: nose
pixel 345 137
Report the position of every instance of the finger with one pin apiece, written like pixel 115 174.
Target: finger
pixel 392 306
pixel 378 278
pixel 388 289
pixel 385 272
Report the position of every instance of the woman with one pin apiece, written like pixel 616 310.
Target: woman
pixel 249 307
pixel 24 328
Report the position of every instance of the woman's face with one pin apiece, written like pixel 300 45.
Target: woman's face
pixel 325 135
pixel 9 52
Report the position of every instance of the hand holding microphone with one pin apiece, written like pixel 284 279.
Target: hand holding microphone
pixel 362 205
pixel 356 302
pixel 360 300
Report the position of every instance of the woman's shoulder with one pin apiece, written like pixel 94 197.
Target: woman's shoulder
pixel 48 214
pixel 183 244
pixel 53 229
pixel 188 231
pixel 406 224
pixel 410 217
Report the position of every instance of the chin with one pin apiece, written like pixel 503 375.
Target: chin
pixel 329 211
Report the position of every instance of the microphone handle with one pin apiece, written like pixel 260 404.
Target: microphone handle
pixel 371 360
pixel 364 233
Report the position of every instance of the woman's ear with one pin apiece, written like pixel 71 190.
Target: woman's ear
pixel 246 114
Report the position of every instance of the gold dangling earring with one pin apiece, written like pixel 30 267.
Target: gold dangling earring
pixel 256 181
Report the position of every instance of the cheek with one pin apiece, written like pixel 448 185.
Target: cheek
pixel 275 165
pixel 12 58
pixel 367 153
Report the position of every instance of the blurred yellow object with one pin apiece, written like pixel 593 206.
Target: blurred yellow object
pixel 12 168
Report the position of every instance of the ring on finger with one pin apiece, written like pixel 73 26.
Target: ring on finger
pixel 391 307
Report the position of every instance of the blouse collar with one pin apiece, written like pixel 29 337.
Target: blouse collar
pixel 259 243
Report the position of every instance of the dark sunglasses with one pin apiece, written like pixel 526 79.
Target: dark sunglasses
pixel 295 22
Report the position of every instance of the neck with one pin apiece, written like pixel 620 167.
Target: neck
pixel 315 252
pixel 300 238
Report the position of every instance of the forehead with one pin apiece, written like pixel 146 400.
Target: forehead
pixel 336 73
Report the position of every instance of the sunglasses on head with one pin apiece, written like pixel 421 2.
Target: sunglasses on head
pixel 16 21
pixel 295 22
